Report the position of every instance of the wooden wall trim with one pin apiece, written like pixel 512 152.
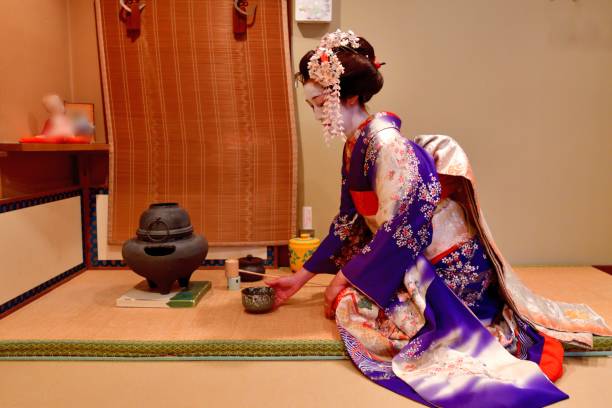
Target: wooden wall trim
pixel 41 194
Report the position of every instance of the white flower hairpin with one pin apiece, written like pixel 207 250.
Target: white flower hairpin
pixel 325 68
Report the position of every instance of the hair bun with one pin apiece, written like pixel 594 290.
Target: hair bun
pixel 361 76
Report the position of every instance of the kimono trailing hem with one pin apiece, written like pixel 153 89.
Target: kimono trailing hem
pixel 461 330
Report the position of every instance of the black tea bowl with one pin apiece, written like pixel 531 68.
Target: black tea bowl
pixel 259 299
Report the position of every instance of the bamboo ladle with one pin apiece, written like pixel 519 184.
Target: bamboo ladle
pixel 271 275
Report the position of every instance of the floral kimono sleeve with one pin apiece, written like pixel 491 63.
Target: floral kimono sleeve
pixel 346 231
pixel 404 178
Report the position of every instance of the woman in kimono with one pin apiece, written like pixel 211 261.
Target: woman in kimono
pixel 424 301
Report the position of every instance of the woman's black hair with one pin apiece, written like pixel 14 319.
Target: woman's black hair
pixel 360 78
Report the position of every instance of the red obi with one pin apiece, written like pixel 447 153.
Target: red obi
pixel 366 202
pixel 450 185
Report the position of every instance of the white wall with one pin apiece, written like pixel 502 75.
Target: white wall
pixel 38 243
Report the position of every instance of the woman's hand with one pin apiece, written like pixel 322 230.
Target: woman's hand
pixel 331 293
pixel 287 286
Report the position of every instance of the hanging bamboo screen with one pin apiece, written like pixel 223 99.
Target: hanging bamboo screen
pixel 198 117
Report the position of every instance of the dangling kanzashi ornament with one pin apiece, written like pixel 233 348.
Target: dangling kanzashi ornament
pixel 325 68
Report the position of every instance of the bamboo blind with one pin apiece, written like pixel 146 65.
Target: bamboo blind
pixel 198 117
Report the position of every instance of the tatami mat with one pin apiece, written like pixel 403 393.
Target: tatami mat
pixel 84 308
pixel 80 319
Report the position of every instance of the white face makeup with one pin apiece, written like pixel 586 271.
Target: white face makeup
pixel 348 117
pixel 315 97
pixel 351 112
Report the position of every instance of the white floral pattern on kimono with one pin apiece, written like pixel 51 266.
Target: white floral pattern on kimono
pixel 396 177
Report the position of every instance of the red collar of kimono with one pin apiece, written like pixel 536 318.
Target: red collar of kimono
pixel 360 131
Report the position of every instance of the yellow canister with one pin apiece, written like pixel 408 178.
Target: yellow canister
pixel 300 249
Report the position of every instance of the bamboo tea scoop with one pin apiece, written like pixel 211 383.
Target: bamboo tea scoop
pixel 271 275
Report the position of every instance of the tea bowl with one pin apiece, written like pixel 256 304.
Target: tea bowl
pixel 258 299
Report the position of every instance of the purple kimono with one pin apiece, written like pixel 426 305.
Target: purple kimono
pixel 424 317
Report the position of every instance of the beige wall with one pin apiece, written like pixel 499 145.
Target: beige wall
pixel 525 86
pixel 33 61
pixel 46 46
pixel 86 85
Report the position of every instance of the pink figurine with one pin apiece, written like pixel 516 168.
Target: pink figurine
pixel 58 123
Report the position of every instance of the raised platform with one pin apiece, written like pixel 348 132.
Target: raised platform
pixel 238 383
pixel 79 320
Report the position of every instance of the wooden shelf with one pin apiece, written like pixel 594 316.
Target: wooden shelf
pixel 36 168
pixel 48 147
